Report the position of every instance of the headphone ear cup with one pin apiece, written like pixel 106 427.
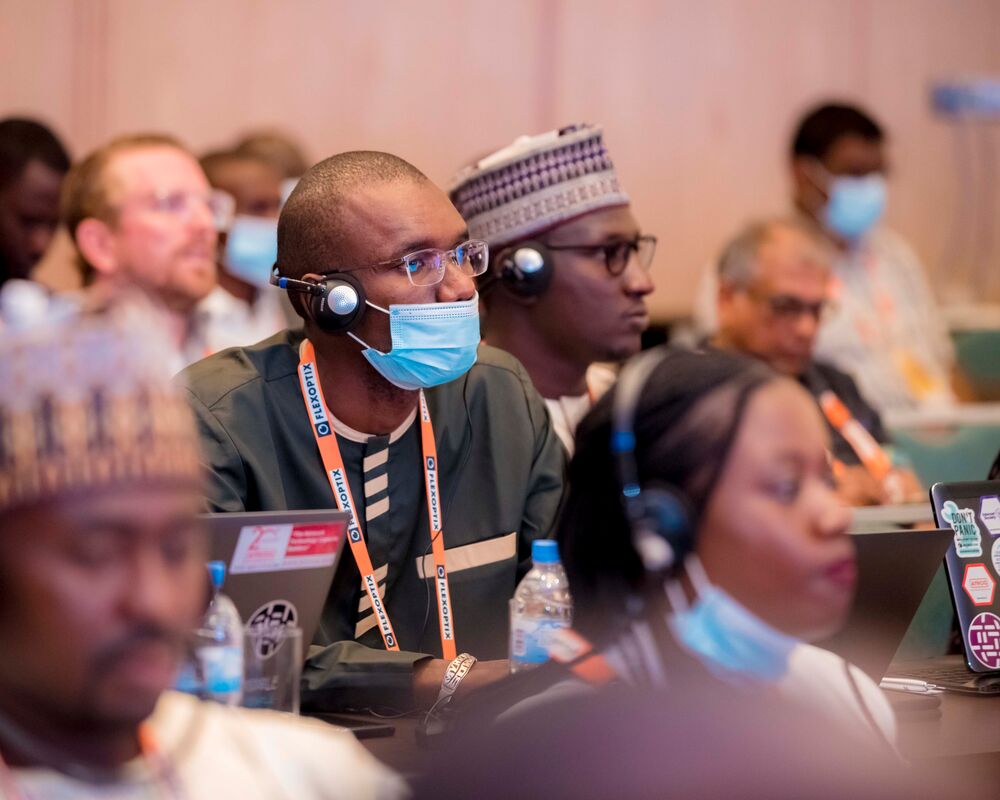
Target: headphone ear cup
pixel 341 305
pixel 526 269
pixel 666 514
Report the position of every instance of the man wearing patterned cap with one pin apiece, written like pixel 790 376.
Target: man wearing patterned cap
pixel 568 268
pixel 102 575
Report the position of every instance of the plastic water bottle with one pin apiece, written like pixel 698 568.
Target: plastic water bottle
pixel 220 644
pixel 541 605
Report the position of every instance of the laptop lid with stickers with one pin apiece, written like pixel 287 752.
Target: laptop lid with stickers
pixel 972 511
pixel 279 564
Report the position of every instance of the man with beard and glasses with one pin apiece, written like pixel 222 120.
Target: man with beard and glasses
pixel 102 575
pixel 143 215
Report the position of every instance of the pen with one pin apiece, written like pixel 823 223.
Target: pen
pixel 909 685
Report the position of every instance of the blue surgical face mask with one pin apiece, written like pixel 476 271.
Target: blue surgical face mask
pixel 854 205
pixel 251 249
pixel 432 343
pixel 729 640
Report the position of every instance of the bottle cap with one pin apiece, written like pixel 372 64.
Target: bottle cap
pixel 545 551
pixel 217 572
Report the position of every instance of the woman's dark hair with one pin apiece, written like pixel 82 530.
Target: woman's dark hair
pixel 687 417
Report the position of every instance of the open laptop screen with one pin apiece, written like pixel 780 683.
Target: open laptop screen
pixel 972 511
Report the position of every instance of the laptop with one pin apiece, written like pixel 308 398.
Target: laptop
pixel 874 519
pixel 894 570
pixel 279 564
pixel 972 511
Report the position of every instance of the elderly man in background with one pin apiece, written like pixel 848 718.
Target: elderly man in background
pixel 569 266
pixel 33 163
pixel 142 214
pixel 102 569
pixel 774 286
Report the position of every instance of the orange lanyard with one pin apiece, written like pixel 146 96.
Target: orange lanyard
pixel 333 464
pixel 868 451
pixel 167 780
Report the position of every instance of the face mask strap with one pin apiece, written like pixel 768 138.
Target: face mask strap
pixel 697 575
pixel 812 165
pixel 700 583
pixel 360 341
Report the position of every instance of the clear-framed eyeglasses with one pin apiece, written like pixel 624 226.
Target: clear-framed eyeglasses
pixel 183 203
pixel 616 255
pixel 427 267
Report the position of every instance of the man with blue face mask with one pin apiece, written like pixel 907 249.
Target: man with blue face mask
pixel 884 326
pixel 244 308
pixel 387 407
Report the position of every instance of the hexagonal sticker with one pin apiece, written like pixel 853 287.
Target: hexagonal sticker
pixel 979 584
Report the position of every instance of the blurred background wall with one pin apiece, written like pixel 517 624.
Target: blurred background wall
pixel 698 98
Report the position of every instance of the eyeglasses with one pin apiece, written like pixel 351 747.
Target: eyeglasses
pixel 181 203
pixel 789 307
pixel 427 267
pixel 616 255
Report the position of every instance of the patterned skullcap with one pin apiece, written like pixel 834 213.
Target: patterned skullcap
pixel 85 398
pixel 537 183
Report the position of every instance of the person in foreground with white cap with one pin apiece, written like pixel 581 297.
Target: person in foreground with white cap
pixel 569 266
pixel 102 576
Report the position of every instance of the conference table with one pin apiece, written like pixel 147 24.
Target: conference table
pixel 963 741
pixel 965 737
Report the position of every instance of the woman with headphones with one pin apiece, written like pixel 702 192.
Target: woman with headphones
pixel 701 494
pixel 705 546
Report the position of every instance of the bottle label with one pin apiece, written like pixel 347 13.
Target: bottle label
pixel 187 679
pixel 529 638
pixel 222 667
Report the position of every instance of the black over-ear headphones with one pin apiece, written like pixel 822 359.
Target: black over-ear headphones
pixel 526 269
pixel 337 302
pixel 658 514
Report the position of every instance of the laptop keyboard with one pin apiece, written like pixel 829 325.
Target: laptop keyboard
pixel 951 674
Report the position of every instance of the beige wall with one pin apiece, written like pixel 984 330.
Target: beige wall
pixel 697 96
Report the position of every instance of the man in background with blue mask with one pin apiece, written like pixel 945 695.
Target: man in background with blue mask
pixel 244 308
pixel 387 407
pixel 884 326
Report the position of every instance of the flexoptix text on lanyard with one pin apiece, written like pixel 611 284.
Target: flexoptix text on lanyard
pixel 336 473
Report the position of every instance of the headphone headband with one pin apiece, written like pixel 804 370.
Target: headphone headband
pixel 661 525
